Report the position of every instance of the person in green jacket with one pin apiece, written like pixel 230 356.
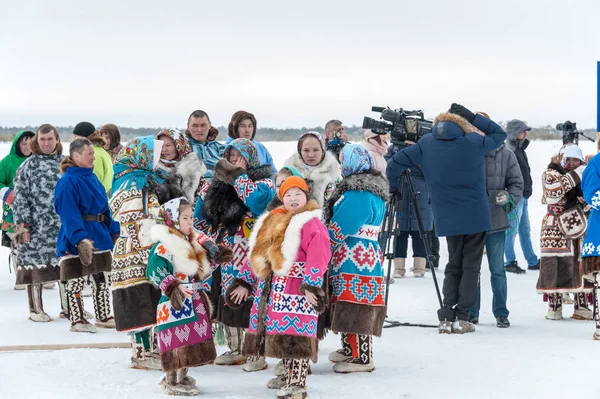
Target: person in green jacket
pixel 19 151
pixel 103 166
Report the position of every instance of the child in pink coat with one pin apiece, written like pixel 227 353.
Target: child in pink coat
pixel 289 254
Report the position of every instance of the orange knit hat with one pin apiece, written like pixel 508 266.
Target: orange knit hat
pixel 291 182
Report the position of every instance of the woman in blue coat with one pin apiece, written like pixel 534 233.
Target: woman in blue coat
pixel 354 214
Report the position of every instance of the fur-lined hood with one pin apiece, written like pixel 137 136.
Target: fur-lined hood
pixel 36 150
pixel 275 239
pixel 186 255
pixel 97 139
pixel 372 181
pixel 66 164
pixel 449 126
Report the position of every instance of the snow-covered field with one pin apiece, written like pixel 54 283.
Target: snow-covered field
pixel 534 358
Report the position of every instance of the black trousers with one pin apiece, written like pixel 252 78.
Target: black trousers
pixel 461 276
pixel 418 246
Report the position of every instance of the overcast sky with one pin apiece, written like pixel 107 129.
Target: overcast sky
pixel 293 64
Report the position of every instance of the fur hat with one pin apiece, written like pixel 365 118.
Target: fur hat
pixel 84 129
pixel 293 182
pixel 236 119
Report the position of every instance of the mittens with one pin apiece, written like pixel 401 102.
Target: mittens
pixel 462 111
pixel 501 198
pixel 86 251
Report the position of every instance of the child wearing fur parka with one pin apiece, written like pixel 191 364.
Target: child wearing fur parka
pixel 289 254
pixel 177 264
pixel 354 215
pixel 318 167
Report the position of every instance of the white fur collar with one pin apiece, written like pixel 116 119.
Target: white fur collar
pixel 178 250
pixel 327 172
pixel 291 240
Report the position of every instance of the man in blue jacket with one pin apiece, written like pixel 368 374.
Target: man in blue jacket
pixel 202 136
pixel 85 239
pixel 452 159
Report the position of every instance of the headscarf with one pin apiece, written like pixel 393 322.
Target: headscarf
pixel 292 170
pixel 182 145
pixel 376 142
pixel 570 151
pixel 246 149
pixel 135 162
pixel 355 159
pixel 169 212
pixel 316 135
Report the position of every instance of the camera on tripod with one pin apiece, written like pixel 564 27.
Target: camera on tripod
pixel 570 134
pixel 401 124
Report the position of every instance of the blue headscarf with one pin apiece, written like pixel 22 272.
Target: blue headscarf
pixel 355 159
pixel 134 163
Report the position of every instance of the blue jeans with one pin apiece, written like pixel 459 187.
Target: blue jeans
pixel 494 244
pixel 524 231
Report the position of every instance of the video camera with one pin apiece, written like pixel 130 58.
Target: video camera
pixel 570 134
pixel 404 125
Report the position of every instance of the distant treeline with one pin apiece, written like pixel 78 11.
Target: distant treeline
pixel 355 133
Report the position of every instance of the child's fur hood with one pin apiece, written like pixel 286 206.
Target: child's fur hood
pixel 275 239
pixel 187 256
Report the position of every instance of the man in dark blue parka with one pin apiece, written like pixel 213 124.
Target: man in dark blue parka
pixel 85 238
pixel 452 159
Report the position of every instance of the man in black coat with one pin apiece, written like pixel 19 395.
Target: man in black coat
pixel 517 142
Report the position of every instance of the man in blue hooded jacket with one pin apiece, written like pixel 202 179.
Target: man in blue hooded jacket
pixel 452 160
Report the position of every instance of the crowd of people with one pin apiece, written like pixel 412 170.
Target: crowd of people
pixel 194 237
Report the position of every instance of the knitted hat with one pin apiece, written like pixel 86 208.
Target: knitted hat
pixel 246 149
pixel 84 129
pixel 291 182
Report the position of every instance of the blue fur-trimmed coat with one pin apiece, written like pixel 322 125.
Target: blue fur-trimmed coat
pixel 354 215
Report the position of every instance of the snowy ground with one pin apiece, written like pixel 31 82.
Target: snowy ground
pixel 534 358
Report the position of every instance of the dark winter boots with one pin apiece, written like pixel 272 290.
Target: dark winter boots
pixel 101 295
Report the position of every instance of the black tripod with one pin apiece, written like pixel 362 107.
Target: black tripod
pixel 391 230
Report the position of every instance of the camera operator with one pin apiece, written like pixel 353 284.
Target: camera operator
pixel 408 221
pixel 336 137
pixel 452 159
pixel 517 142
